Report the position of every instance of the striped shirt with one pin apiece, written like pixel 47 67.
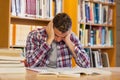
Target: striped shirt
pixel 37 51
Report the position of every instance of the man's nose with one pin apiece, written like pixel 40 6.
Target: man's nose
pixel 59 39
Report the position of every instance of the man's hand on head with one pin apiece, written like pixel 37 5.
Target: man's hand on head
pixel 50 32
pixel 69 43
pixel 67 37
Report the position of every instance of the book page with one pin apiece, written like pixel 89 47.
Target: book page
pixel 43 70
pixel 77 69
pixel 53 71
pixel 64 72
pixel 59 72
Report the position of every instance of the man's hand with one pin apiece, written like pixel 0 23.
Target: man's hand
pixel 69 43
pixel 67 38
pixel 50 32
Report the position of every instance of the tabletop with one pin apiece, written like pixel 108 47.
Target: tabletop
pixel 31 75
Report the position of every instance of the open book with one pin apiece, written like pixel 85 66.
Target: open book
pixel 69 72
pixel 53 71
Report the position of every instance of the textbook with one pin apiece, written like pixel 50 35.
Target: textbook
pixel 10 52
pixel 9 62
pixel 20 58
pixel 13 70
pixel 69 72
pixel 8 65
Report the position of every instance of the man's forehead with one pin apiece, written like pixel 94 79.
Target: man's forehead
pixel 58 33
pixel 61 35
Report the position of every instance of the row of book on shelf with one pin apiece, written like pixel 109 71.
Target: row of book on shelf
pixel 95 12
pixel 104 1
pixel 98 58
pixel 11 61
pixel 18 33
pixel 88 35
pixel 36 8
pixel 95 35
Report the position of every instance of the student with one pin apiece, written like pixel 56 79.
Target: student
pixel 55 45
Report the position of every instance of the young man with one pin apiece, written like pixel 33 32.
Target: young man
pixel 55 45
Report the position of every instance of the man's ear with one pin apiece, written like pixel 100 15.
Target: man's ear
pixel 70 31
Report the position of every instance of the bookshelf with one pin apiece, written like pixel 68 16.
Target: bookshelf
pixel 97 26
pixel 4 23
pixel 68 6
pixel 29 21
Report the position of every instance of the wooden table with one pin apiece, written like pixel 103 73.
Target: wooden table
pixel 31 75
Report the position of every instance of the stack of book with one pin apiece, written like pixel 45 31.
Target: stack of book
pixel 11 61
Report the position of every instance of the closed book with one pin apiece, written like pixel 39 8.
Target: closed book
pixel 13 70
pixel 10 52
pixel 12 65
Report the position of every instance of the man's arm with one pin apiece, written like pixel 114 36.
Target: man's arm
pixel 50 33
pixel 36 51
pixel 78 52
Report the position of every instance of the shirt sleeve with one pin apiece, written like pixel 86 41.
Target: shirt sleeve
pixel 35 49
pixel 82 58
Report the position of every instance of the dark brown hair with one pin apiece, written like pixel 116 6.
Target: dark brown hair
pixel 62 22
